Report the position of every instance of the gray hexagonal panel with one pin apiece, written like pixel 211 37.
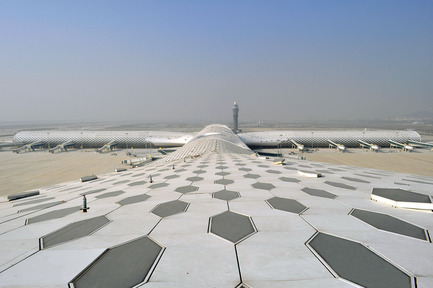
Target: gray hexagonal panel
pixel 221 167
pixel 389 223
pixel 318 193
pixel 134 199
pixel 288 179
pixel 199 171
pixel 41 206
pixel 125 265
pixel 186 189
pixel 226 195
pixel 34 201
pixel 73 231
pixel 93 191
pixel 273 171
pixel 401 195
pixel 263 186
pixel 231 226
pixel 110 194
pixel 252 176
pixel 244 169
pixel 194 179
pixel 137 183
pixel 53 215
pixel 222 173
pixel 285 204
pixel 158 185
pixel 171 176
pixel 170 208
pixel 354 262
pixel 340 185
pixel 224 181
pixel 355 180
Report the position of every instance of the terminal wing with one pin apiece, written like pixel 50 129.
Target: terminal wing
pixel 321 138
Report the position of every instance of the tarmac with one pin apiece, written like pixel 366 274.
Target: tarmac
pixel 419 162
pixel 31 170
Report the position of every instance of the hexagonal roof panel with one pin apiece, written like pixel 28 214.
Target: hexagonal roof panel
pixel 252 176
pixel 171 176
pixel 226 195
pixel 170 208
pixel 318 193
pixel 231 226
pixel 273 171
pixel 222 173
pixel 389 223
pixel 41 206
pixel 110 194
pixel 340 185
pixel 224 181
pixel 186 189
pixel 194 179
pixel 288 179
pixel 135 259
pixel 53 215
pixel 134 199
pixel 263 186
pixel 356 263
pixel 158 185
pixel 93 191
pixel 137 183
pixel 285 204
pixel 244 169
pixel 355 179
pixel 221 167
pixel 73 231
pixel 34 201
pixel 401 195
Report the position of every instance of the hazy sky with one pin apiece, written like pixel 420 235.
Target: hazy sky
pixel 189 60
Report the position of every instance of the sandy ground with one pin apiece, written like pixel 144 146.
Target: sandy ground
pixel 419 162
pixel 27 171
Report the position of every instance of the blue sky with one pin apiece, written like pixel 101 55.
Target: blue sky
pixel 189 60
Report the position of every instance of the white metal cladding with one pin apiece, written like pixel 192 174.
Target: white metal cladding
pixel 137 139
pixel 141 139
pixel 218 138
pixel 319 138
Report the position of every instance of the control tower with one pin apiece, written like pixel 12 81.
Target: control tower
pixel 235 117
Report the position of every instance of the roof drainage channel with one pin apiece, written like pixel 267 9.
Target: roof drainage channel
pixel 356 263
pixel 125 265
